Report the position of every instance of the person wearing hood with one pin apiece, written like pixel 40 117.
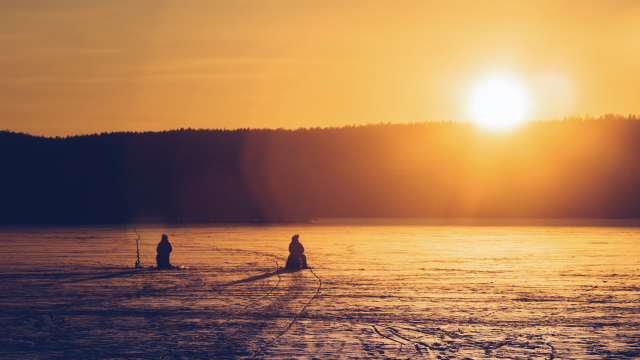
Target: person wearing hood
pixel 163 250
pixel 296 259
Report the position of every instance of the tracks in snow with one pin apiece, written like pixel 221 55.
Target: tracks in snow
pixel 456 341
pixel 252 302
pixel 264 346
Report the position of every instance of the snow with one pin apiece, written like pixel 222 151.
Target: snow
pixel 381 291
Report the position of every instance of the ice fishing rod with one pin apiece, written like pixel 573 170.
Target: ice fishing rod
pixel 137 250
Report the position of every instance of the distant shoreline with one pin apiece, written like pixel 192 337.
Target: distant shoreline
pixel 554 222
pixel 480 222
pixel 570 169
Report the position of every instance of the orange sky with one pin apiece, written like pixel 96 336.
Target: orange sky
pixel 74 67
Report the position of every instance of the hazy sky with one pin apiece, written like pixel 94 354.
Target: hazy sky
pixel 74 67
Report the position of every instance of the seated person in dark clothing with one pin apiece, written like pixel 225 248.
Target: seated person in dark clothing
pixel 164 249
pixel 296 259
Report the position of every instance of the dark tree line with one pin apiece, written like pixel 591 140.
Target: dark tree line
pixel 571 168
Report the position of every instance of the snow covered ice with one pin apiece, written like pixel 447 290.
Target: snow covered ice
pixel 381 291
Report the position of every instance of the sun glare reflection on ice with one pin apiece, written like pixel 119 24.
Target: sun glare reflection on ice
pixel 499 103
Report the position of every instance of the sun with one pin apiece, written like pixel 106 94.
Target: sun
pixel 499 103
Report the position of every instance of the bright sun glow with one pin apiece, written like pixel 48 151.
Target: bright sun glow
pixel 499 102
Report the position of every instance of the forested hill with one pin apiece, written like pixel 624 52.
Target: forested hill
pixel 571 168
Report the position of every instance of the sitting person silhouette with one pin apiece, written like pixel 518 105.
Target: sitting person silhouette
pixel 163 250
pixel 296 259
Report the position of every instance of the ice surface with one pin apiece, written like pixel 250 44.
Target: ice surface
pixel 445 292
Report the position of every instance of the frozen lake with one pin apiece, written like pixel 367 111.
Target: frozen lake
pixel 377 290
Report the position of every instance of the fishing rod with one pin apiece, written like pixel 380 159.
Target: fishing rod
pixel 137 249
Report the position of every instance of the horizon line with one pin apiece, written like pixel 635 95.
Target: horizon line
pixel 587 117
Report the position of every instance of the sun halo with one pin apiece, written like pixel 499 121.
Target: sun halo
pixel 499 103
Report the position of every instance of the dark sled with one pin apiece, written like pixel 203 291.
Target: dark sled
pixel 181 267
pixel 294 263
